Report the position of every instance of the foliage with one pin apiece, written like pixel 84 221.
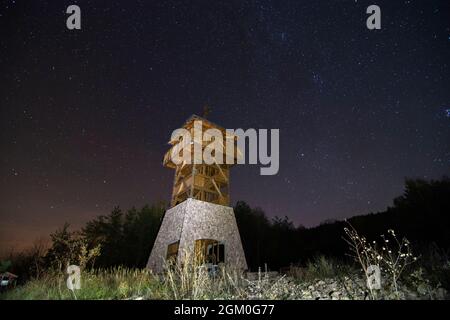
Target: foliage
pixel 192 281
pixel 321 267
pixel 70 248
pixel 114 283
pixel 126 238
pixel 392 256
pixel 5 265
pixel 421 213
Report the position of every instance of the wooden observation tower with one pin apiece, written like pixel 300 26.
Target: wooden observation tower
pixel 201 181
pixel 200 221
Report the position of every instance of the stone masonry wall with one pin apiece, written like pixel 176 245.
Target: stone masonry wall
pixel 194 219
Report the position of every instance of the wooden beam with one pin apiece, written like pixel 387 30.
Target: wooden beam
pixel 217 188
pixel 193 180
pixel 221 171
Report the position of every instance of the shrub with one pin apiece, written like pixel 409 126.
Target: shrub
pixel 391 256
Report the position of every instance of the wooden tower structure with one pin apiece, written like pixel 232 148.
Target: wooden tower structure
pixel 200 222
pixel 205 182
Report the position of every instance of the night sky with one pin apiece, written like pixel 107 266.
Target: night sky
pixel 86 114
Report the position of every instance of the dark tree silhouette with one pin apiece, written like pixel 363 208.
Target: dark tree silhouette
pixel 126 239
pixel 421 214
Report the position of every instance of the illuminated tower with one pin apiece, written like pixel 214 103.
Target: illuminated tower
pixel 200 221
pixel 206 182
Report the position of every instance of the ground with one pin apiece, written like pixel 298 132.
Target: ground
pixel 313 283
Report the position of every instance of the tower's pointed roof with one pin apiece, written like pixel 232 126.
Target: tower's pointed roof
pixel 209 123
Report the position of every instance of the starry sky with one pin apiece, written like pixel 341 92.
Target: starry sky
pixel 85 115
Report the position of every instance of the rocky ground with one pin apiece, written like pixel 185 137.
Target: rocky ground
pixel 345 288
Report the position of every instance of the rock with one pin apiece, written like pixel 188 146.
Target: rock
pixel 333 286
pixel 441 294
pixel 412 296
pixel 335 295
pixel 422 289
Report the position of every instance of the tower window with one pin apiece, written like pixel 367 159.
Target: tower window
pixel 172 252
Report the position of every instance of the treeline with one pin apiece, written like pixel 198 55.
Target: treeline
pixel 125 238
pixel 122 238
pixel 421 214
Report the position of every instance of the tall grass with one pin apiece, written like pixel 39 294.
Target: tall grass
pixel 191 280
pixel 188 280
pixel 115 283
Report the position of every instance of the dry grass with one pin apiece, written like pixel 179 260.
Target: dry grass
pixel 321 279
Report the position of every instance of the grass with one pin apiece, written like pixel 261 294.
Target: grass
pixel 322 278
pixel 117 283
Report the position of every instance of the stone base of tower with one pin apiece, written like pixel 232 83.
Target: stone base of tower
pixel 194 220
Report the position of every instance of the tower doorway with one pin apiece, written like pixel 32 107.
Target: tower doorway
pixel 209 251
